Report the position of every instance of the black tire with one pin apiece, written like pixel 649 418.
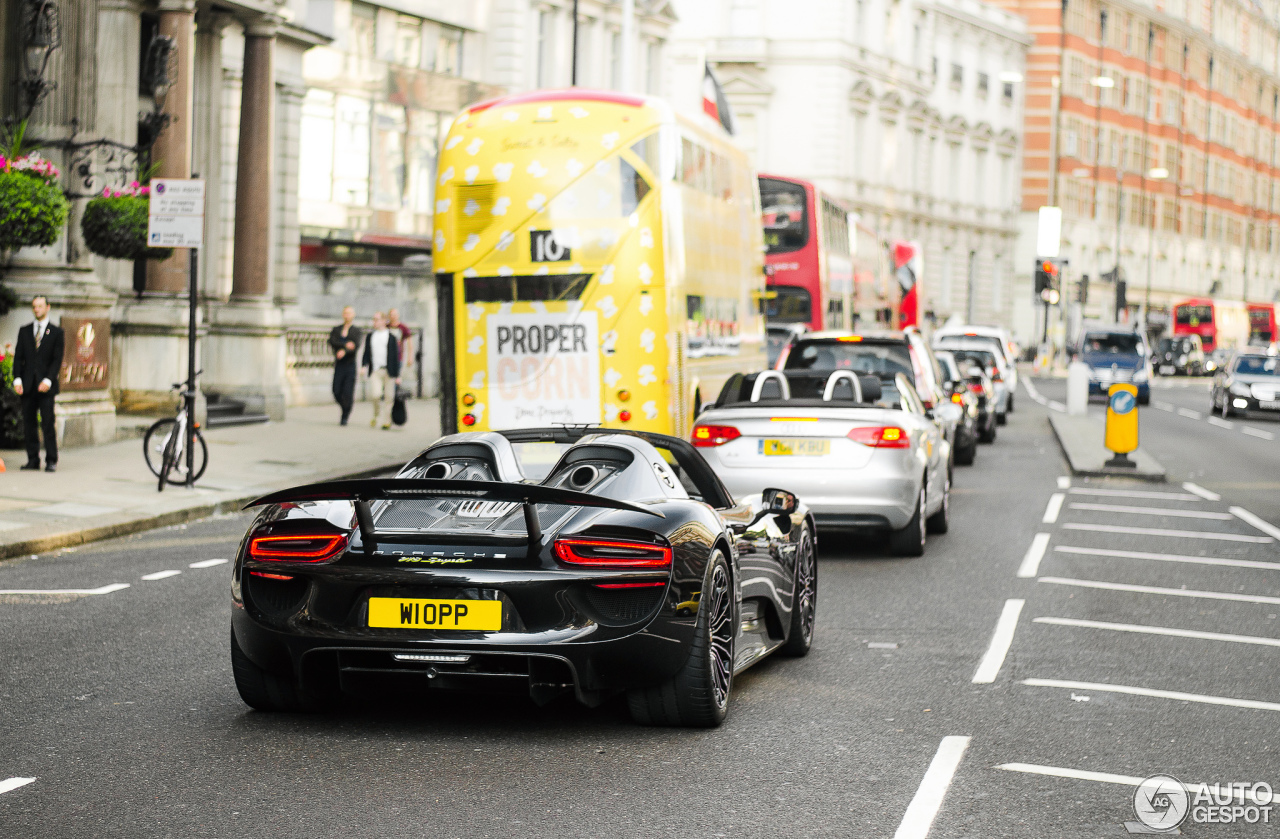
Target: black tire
pixel 909 541
pixel 698 696
pixel 988 435
pixel 1002 418
pixel 155 441
pixel 968 454
pixel 1009 407
pixel 1144 400
pixel 940 522
pixel 804 603
pixel 263 690
pixel 168 459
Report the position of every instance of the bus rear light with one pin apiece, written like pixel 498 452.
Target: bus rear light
pixel 298 547
pixel 625 416
pixel 468 399
pixel 881 437
pixel 468 419
pixel 612 554
pixel 710 436
pixel 624 396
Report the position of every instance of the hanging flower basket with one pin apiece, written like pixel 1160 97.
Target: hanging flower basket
pixel 115 224
pixel 33 209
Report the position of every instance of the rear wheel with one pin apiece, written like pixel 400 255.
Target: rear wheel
pixel 940 521
pixel 1010 408
pixel 263 690
pixel 698 696
pixel 966 456
pixel 1001 418
pixel 805 601
pixel 988 434
pixel 909 541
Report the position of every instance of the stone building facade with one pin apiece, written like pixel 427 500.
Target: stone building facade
pixel 909 113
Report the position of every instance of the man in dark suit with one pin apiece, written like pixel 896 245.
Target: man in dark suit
pixel 344 340
pixel 37 361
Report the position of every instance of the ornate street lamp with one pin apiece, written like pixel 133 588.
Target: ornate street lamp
pixel 160 73
pixel 41 35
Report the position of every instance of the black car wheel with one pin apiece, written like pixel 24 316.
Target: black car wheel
pixel 1010 406
pixel 988 434
pixel 698 696
pixel 965 456
pixel 909 541
pixel 940 521
pixel 1001 419
pixel 805 601
pixel 263 690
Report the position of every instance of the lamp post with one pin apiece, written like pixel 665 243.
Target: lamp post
pixel 1157 174
pixel 41 35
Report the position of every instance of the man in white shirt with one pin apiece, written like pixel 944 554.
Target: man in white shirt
pixel 382 366
pixel 37 361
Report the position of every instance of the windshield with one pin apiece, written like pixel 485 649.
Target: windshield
pixel 982 358
pixel 1193 315
pixel 786 217
pixel 871 359
pixel 790 305
pixel 1257 365
pixel 949 369
pixel 1113 343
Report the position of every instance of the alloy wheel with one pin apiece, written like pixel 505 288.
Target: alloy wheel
pixel 721 628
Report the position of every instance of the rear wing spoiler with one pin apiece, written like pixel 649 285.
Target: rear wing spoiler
pixel 363 491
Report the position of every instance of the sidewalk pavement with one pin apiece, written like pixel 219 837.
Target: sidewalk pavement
pixel 107 491
pixel 1081 438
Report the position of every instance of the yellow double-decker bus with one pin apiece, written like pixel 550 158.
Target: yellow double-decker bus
pixel 599 261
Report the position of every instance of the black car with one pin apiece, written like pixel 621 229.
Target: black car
pixel 1181 355
pixel 1248 383
pixel 966 406
pixel 626 567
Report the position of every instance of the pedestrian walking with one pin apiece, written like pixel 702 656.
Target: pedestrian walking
pixel 345 341
pixel 382 366
pixel 403 333
pixel 37 362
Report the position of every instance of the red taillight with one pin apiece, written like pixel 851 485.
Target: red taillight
pixel 995 375
pixel 468 419
pixel 299 547
pixel 267 576
pixel 710 436
pixel 975 387
pixel 881 436
pixel 957 398
pixel 624 416
pixel 611 554
pixel 632 585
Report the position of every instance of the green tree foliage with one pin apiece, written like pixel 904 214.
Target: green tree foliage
pixel 32 211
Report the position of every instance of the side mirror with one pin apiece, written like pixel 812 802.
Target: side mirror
pixel 779 501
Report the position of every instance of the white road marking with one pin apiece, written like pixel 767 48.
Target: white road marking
pixel 1108 778
pixel 160 575
pixel 1057 406
pixel 10 784
pixel 1195 560
pixel 1156 531
pixel 1052 509
pixel 1221 423
pixel 1206 494
pixel 927 801
pixel 1168 592
pixel 990 665
pixel 1158 694
pixel 1258 432
pixel 1152 511
pixel 1246 516
pixel 1063 482
pixel 1031 561
pixel 1189 414
pixel 207 563
pixel 1032 392
pixel 107 589
pixel 1162 630
pixel 1134 493
pixel 1163 406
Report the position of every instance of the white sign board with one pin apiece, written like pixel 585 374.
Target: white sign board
pixel 1049 233
pixel 544 367
pixel 176 217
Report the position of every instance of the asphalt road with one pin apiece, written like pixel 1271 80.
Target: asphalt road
pixel 122 707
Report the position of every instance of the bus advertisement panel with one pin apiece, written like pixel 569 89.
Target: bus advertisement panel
pixel 599 261
pixel 1219 323
pixel 808 255
pixel 1262 323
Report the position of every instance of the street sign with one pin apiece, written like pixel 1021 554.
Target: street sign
pixel 176 217
pixel 1122 423
pixel 1049 232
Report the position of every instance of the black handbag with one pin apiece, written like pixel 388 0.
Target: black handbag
pixel 399 413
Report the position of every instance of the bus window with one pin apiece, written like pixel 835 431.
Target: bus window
pixel 611 189
pixel 791 305
pixel 1193 315
pixel 786 220
pixel 524 288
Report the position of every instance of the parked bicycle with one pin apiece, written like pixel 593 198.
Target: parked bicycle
pixel 164 446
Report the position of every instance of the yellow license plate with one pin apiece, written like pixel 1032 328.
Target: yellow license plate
pixel 399 613
pixel 801 447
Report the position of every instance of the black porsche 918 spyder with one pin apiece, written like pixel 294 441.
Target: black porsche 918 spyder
pixel 544 561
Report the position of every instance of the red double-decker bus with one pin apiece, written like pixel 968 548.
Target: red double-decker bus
pixel 1262 323
pixel 1219 323
pixel 808 256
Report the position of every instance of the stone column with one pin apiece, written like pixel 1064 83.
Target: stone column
pixel 251 263
pixel 173 149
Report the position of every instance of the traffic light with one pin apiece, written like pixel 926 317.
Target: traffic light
pixel 1082 294
pixel 1047 276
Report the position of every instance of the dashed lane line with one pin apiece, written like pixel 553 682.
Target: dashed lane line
pixel 1134 493
pixel 1258 432
pixel 1144 629
pixel 1108 778
pixel 1159 557
pixel 991 663
pixel 1102 687
pixel 160 575
pixel 1249 518
pixel 10 784
pixel 1206 494
pixel 1221 423
pixel 1163 406
pixel 927 801
pixel 1063 482
pixel 1054 507
pixel 1151 511
pixel 207 563
pixel 82 592
pixel 1168 592
pixel 1031 561
pixel 1189 414
pixel 1177 534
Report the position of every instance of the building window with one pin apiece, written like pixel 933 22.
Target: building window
pixel 1006 94
pixel 615 60
pixel 984 84
pixel 364 32
pixel 408 47
pixel 449 51
pixel 546 46
pixel 957 75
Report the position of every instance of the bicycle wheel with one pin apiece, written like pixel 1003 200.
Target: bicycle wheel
pixel 167 459
pixel 153 444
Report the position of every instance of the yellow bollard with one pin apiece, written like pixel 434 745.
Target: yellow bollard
pixel 1122 424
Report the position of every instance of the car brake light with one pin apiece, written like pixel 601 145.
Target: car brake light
pixel 710 436
pixel 881 436
pixel 975 387
pixel 957 398
pixel 995 375
pixel 298 547
pixel 612 554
